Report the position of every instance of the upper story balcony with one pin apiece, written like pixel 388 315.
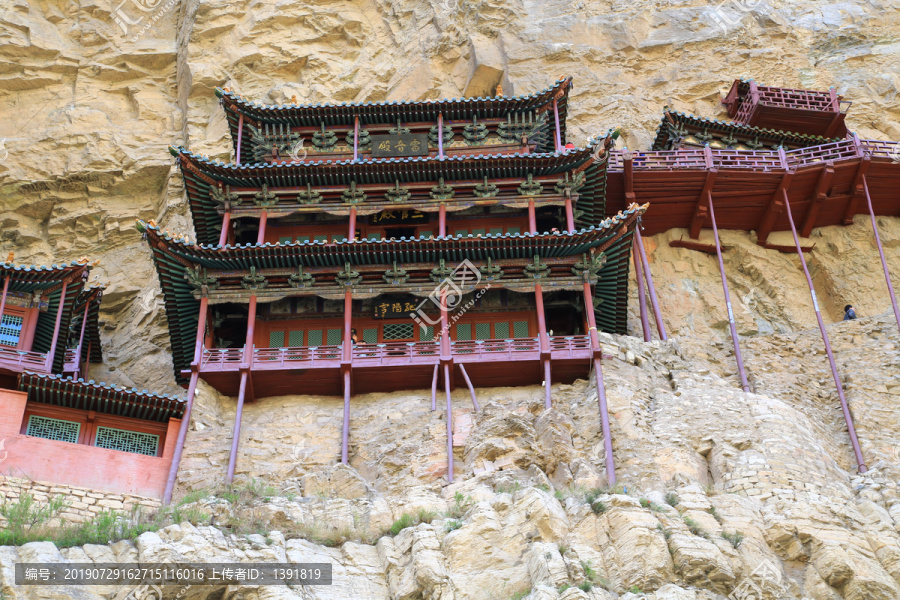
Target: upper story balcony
pixel 799 111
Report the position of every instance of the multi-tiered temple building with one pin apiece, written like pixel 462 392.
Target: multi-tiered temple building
pixel 365 247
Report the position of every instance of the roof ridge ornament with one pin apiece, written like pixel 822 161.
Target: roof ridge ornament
pixel 441 191
pixel 301 280
pixel 567 185
pixel 324 140
pixel 254 281
pixel 589 267
pixel 397 193
pixel 491 272
pixel 265 198
pixel 225 198
pixel 348 277
pixel 537 269
pixel 486 189
pixel 200 280
pixel 310 196
pixel 530 187
pixel 352 195
pixel 396 275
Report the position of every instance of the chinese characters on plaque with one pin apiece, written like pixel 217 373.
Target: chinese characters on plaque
pixel 407 144
pixel 393 217
pixel 394 309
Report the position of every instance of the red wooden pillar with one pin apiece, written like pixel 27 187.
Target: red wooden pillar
pixel 442 220
pixel 192 388
pixel 642 299
pixel 237 159
pixel 355 141
pixel 556 119
pixel 351 235
pixel 434 382
pixel 263 219
pixel 887 273
pixel 87 361
pixel 465 375
pixel 3 298
pixel 226 225
pixel 544 342
pixel 440 138
pixel 570 215
pixel 242 391
pixel 532 219
pixel 601 389
pixel 834 372
pixel 62 302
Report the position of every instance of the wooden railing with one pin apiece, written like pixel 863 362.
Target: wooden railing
pixel 70 363
pixel 19 361
pixel 802 99
pixel 394 353
pixel 801 157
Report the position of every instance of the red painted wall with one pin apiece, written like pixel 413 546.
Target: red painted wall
pixel 79 464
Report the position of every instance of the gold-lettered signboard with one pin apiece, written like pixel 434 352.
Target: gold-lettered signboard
pixel 406 144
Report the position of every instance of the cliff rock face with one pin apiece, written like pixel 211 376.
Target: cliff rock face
pixel 91 95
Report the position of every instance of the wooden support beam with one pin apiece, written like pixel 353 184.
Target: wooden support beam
pixel 823 190
pixel 440 137
pixel 787 249
pixel 434 382
pixel 263 219
pixel 5 292
pixel 449 425
pixel 774 210
pixel 470 386
pixel 548 402
pixel 601 389
pixel 236 434
pixel 848 418
pixel 351 234
pixel 642 297
pixel 532 219
pixel 701 213
pixel 692 245
pixel 857 193
pixel 654 300
pixel 355 139
pixel 558 139
pixel 570 215
pixel 192 388
pixel 347 350
pixel 84 320
pixel 442 220
pixel 884 266
pixel 345 430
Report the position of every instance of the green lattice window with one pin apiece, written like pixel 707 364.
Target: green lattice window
pixel 302 238
pixel 53 429
pixel 464 331
pixel 501 330
pixel 10 330
pixel 339 238
pixel 513 230
pixel 461 232
pixel 314 337
pixel 333 337
pixel 295 339
pixel 496 230
pixel 276 339
pixel 520 329
pixel 399 331
pixel 478 232
pixel 482 331
pixel 320 238
pixel 285 239
pixel 370 336
pixel 427 335
pixel 426 234
pixel 127 441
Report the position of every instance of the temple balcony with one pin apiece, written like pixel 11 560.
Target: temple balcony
pixel 799 111
pixel 392 366
pixel 17 361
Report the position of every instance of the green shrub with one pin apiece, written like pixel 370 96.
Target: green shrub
pixel 452 525
pixel 405 520
pixel 599 507
pixel 735 538
pixel 672 499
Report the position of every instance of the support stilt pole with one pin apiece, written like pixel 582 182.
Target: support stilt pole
pixel 887 274
pixel 345 433
pixel 236 435
pixel 834 372
pixel 263 219
pixel 558 138
pixel 548 402
pixel 62 302
pixel 5 292
pixel 449 425
pixel 601 389
pixel 570 215
pixel 434 382
pixel 351 235
pixel 237 158
pixel 734 336
pixel 660 326
pixel 470 386
pixel 440 136
pixel 532 220
pixel 355 140
pixel 642 298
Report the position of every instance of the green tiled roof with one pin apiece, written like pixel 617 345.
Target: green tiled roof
pixel 770 138
pixel 31 279
pixel 100 397
pixel 198 171
pixel 173 256
pixel 299 115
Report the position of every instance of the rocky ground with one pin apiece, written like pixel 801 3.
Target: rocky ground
pixel 89 107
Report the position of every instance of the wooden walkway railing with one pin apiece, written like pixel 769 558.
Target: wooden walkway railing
pixel 18 361
pixel 395 353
